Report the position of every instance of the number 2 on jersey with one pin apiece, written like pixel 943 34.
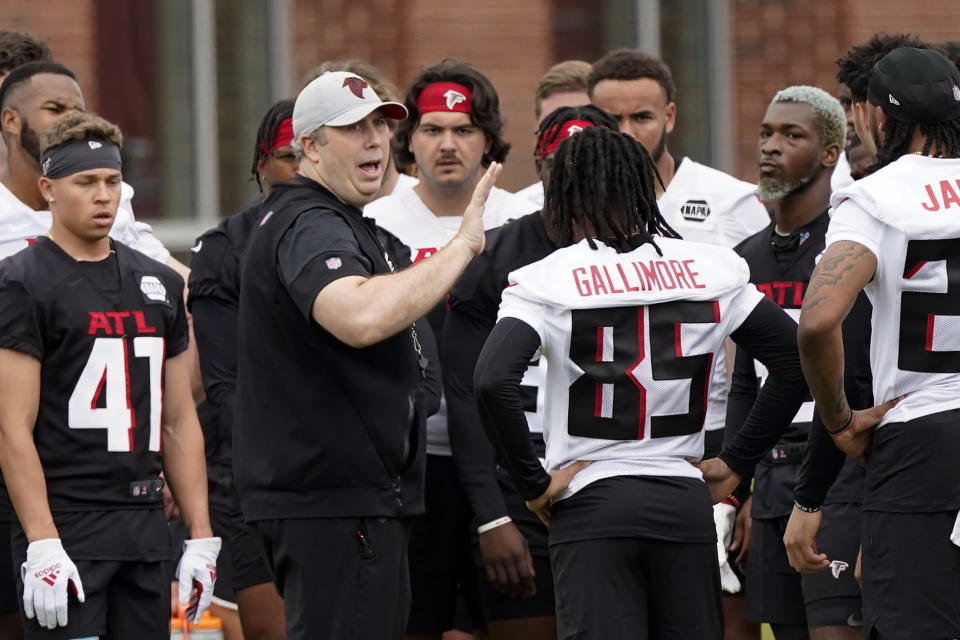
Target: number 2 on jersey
pixel 107 371
pixel 609 401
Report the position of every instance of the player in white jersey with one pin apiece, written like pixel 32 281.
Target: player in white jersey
pixel 699 202
pixel 896 235
pixel 454 130
pixel 630 327
pixel 563 85
pixel 31 98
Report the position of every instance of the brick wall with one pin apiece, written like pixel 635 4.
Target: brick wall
pixel 509 41
pixel 68 26
pixel 778 43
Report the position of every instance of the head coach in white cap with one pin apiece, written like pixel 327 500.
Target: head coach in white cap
pixel 329 441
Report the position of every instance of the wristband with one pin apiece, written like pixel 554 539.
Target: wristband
pixel 733 501
pixel 843 428
pixel 804 508
pixel 493 524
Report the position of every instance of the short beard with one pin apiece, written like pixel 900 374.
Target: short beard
pixel 30 141
pixel 657 152
pixel 774 189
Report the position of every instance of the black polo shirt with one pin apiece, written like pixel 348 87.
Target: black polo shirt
pixel 322 429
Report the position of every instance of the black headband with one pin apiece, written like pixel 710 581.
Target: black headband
pixel 916 86
pixel 79 155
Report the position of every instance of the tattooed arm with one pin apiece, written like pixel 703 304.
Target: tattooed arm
pixel 844 270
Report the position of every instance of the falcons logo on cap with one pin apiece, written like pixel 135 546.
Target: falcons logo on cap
pixel 574 128
pixel 454 98
pixel 356 86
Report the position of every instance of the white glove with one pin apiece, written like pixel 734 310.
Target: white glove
pixel 45 575
pixel 724 516
pixel 955 536
pixel 196 574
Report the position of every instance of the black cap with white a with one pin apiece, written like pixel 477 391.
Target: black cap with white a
pixel 916 86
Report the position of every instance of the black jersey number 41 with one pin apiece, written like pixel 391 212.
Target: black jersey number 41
pixel 608 401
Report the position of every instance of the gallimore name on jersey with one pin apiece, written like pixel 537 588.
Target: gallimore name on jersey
pixel 686 270
pixel 649 275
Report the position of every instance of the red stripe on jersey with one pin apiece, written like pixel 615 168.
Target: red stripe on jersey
pixel 598 401
pixel 677 346
pixel 599 344
pixel 126 373
pixel 706 389
pixel 913 272
pixel 929 344
pixel 641 354
pixel 716 311
pixel 163 369
pixel 96 394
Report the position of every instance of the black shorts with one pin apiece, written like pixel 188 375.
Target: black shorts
pixel 832 597
pixel 527 521
pixel 340 577
pixel 498 606
pixel 123 600
pixel 8 575
pixel 637 588
pixel 249 565
pixel 442 565
pixel 911 575
pixel 774 594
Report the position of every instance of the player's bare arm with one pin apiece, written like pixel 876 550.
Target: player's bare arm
pixel 844 270
pixel 184 465
pixel 19 402
pixel 363 311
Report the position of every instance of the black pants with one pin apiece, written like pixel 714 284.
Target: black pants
pixel 635 589
pixel 340 577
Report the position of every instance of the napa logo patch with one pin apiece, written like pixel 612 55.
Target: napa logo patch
pixel 152 289
pixel 695 210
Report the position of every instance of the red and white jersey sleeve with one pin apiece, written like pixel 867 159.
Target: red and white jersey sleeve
pixel 631 343
pixel 908 215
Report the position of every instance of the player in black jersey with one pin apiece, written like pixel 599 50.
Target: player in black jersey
pixel 95 400
pixel 213 300
pixel 517 591
pixel 800 140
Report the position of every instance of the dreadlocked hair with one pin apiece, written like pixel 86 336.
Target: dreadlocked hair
pixel 557 117
pixel 943 139
pixel 603 183
pixel 267 134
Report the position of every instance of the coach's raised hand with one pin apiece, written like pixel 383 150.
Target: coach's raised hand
pixel 471 228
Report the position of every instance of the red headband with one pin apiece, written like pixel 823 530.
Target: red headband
pixel 444 96
pixel 567 129
pixel 281 138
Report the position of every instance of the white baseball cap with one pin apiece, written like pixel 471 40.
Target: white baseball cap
pixel 338 98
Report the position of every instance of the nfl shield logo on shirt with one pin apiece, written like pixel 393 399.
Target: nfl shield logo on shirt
pixel 334 263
